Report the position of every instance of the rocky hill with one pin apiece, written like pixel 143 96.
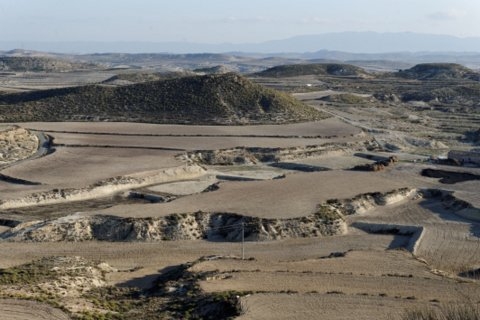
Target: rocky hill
pixel 295 70
pixel 211 99
pixel 438 71
pixel 40 64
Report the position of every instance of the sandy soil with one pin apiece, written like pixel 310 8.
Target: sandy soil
pixel 327 127
pixel 152 257
pixel 296 195
pixel 29 310
pixel 320 306
pixel 369 281
pixel 180 144
pixel 420 288
pixel 185 187
pixel 358 262
pixel 80 167
pixel 449 242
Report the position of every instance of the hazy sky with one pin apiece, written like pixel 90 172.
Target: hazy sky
pixel 235 21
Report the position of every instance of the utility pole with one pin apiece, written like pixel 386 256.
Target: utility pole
pixel 243 240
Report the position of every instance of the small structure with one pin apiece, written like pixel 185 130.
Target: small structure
pixel 464 157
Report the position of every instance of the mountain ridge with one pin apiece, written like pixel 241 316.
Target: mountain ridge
pixel 355 42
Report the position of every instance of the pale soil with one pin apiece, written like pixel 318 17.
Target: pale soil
pixel 468 191
pixel 359 262
pixel 179 144
pixel 185 187
pixel 448 241
pixel 80 167
pixel 152 257
pixel 256 172
pixel 335 162
pixel 109 187
pixel 361 285
pixel 328 127
pixel 270 306
pixel 401 287
pixel 27 81
pixel 12 309
pixel 295 196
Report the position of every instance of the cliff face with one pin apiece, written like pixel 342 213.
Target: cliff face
pixel 191 226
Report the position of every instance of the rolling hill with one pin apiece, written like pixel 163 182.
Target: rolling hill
pixel 40 64
pixel 438 71
pixel 210 99
pixel 295 70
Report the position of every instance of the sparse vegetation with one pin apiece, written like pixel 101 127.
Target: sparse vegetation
pixel 294 70
pixel 430 71
pixel 213 99
pixel 460 311
pixel 39 64
pixel 346 98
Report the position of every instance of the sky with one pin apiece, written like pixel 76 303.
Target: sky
pixel 228 21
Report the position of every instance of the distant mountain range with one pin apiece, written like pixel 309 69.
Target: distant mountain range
pixel 354 42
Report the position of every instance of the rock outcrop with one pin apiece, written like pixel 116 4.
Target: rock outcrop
pixel 106 187
pixel 188 226
pixel 16 144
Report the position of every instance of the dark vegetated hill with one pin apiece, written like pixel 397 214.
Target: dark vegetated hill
pixel 462 94
pixel 438 71
pixel 332 69
pixel 220 69
pixel 41 64
pixel 138 77
pixel 212 99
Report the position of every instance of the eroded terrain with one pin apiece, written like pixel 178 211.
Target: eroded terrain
pixel 345 217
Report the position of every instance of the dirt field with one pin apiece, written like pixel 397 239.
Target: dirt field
pixel 29 310
pixel 79 167
pixel 295 196
pixel 399 250
pixel 314 306
pixel 328 127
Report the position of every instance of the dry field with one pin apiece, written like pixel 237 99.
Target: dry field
pixel 328 127
pixel 396 250
pixel 29 310
pixel 27 81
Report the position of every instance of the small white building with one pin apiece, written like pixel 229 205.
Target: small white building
pixel 472 156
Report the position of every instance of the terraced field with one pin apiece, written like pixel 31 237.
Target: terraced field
pixel 250 222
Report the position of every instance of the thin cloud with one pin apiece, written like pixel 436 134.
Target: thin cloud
pixel 258 19
pixel 313 20
pixel 452 14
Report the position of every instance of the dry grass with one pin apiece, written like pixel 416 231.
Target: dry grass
pixel 461 311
